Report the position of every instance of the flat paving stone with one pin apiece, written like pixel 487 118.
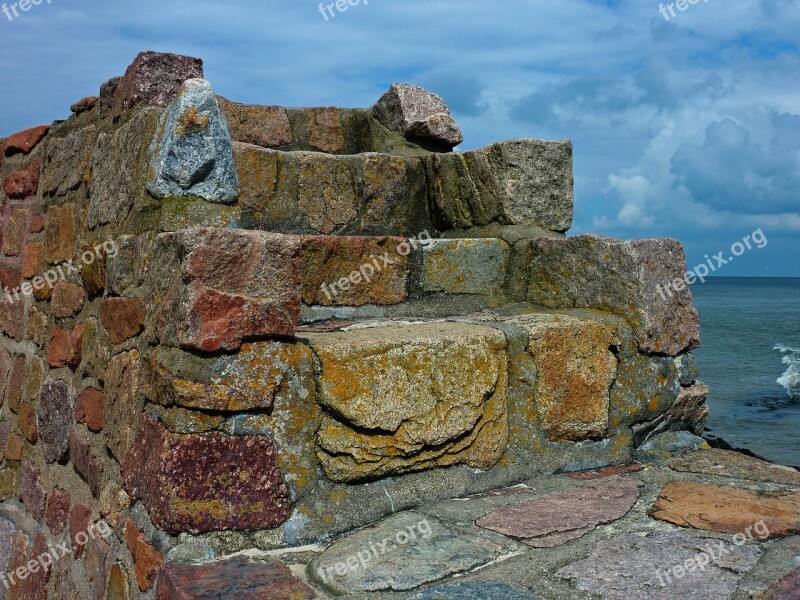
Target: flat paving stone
pixel 734 464
pixel 728 509
pixel 400 553
pixel 662 566
pixel 241 577
pixel 474 591
pixel 556 519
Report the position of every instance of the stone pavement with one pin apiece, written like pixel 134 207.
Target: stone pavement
pixel 686 522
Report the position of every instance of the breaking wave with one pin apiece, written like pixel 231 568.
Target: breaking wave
pixel 791 378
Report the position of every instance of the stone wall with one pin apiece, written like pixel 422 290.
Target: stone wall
pixel 275 325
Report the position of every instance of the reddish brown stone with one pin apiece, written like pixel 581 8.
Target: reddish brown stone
pixel 23 183
pixel 14 448
pixel 727 509
pixel 154 78
pixel 67 300
pixel 84 460
pixel 9 279
pixel 12 314
pixel 206 482
pixel 55 421
pixel 66 347
pixel 117 583
pixel 84 104
pixel 19 558
pixel 35 585
pixel 16 225
pixel 27 423
pixel 325 129
pixel 16 383
pixel 80 518
pixel 147 559
pixel 89 409
pixel 98 565
pixel 37 224
pixel 123 318
pixel 31 490
pixel 32 259
pixel 265 126
pixel 57 513
pixel 606 472
pixel 326 260
pixel 225 286
pixel 557 518
pixel 60 234
pixel 241 577
pixel 726 463
pixel 25 141
pixel 788 588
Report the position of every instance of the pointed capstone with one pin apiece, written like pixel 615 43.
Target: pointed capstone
pixel 191 154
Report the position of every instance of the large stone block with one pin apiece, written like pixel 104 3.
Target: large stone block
pixel 215 288
pixel 518 182
pixel 25 141
pixel 688 413
pixel 249 380
pixel 153 78
pixel 465 266
pixel 123 404
pixel 68 162
pixel 404 398
pixel 574 370
pixel 54 421
pixel 354 271
pixel 621 277
pixel 206 482
pixel 191 154
pixel 265 126
pixel 24 182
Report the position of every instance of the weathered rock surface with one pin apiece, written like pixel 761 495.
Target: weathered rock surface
pixel 475 591
pixel 265 126
pixel 641 567
pixel 240 577
pixel 557 518
pixel 466 266
pixel 24 142
pixel 123 318
pixel 591 271
pixel 251 379
pixel 734 464
pixel 206 482
pixel 398 400
pixel 122 401
pixel 191 154
pixel 788 588
pixel 153 78
pixel 417 113
pixel 397 559
pixel 728 509
pixel 220 287
pixel 24 182
pixel 54 421
pixel 68 162
pixel 689 413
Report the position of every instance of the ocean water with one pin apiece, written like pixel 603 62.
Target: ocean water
pixel 750 359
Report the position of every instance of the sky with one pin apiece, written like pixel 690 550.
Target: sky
pixel 685 125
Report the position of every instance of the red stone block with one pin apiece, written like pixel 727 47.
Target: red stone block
pixel 241 577
pixel 16 225
pixel 23 183
pixel 57 511
pixel 12 314
pixel 37 224
pixel 80 518
pixel 31 490
pixel 27 423
pixel 89 409
pixel 84 461
pixel 32 259
pixel 14 448
pixel 25 141
pixel 205 482
pixel 66 348
pixel 146 559
pixel 123 318
pixel 10 279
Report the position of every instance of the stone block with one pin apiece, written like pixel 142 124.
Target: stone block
pixel 465 266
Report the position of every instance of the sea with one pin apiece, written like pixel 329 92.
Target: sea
pixel 750 359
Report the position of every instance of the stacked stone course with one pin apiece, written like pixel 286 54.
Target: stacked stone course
pixel 198 390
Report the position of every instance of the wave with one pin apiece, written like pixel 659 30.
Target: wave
pixel 791 378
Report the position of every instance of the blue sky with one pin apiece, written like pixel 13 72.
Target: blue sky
pixel 687 128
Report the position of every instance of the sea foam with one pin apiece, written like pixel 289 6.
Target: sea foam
pixel 791 378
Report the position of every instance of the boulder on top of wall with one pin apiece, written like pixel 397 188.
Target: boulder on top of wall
pixel 417 113
pixel 153 78
pixel 192 154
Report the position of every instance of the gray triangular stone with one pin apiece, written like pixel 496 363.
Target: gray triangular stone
pixel 192 154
